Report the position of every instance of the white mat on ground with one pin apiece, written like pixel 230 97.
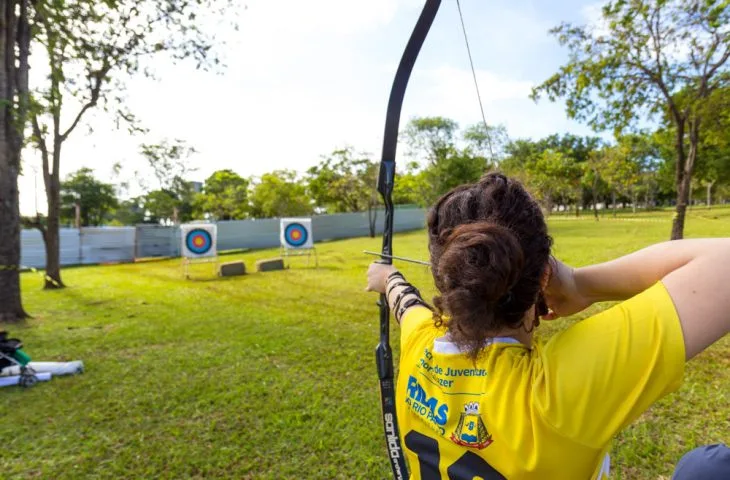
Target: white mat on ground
pixel 54 368
pixel 14 380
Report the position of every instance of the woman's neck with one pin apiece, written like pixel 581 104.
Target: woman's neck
pixel 524 333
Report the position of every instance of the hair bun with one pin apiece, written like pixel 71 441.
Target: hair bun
pixel 483 258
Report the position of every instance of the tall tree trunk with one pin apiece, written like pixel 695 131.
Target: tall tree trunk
pixel 681 182
pixel 51 234
pixel 681 210
pixel 13 82
pixel 11 307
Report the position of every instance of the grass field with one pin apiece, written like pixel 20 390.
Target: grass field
pixel 272 375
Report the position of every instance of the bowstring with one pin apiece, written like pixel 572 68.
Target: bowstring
pixel 476 84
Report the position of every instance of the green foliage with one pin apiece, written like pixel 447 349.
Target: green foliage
pixel 632 66
pixel 344 182
pixel 169 161
pixel 161 206
pixel 555 168
pixel 455 167
pixel 412 188
pixel 647 59
pixel 280 194
pixel 93 47
pixel 225 196
pixel 430 138
pixel 271 376
pixel 442 162
pixel 173 201
pixel 129 212
pixel 95 198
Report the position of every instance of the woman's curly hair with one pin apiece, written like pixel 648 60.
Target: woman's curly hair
pixel 489 249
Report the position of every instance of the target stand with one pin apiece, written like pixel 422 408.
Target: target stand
pixel 295 235
pixel 199 245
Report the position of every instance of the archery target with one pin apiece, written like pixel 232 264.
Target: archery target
pixel 296 232
pixel 198 241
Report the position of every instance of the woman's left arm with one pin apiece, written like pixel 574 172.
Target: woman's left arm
pixel 402 296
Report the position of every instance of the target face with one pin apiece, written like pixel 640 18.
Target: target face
pixel 198 241
pixel 295 234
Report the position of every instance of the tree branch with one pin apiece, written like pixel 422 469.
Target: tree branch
pixel 96 79
pixel 35 223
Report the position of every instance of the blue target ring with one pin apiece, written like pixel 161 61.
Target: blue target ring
pixel 198 241
pixel 295 234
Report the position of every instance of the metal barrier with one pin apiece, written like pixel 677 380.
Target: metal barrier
pixel 94 245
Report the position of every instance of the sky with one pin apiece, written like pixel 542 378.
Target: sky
pixel 303 79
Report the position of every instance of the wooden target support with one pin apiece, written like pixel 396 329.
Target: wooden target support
pixel 186 262
pixel 300 252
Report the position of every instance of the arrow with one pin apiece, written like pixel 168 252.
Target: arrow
pixel 395 257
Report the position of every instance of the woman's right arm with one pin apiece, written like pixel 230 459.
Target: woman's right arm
pixel 696 273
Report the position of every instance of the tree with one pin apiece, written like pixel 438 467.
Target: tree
pixel 652 57
pixel 91 48
pixel 129 212
pixel 714 148
pixel 412 187
pixel 487 141
pixel 162 206
pixel 345 182
pixel 15 38
pixel 169 162
pixel 280 194
pixel 431 137
pixel 567 178
pixel 617 168
pixel 456 167
pixel 225 196
pixel 94 198
pixel 433 141
pixel 552 174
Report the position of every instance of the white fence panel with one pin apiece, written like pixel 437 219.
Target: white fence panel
pixel 32 249
pixel 157 241
pixel 93 245
pixel 236 234
pixel 104 245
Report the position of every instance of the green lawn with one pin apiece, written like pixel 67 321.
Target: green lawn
pixel 272 375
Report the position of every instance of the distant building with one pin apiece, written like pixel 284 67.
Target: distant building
pixel 196 186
